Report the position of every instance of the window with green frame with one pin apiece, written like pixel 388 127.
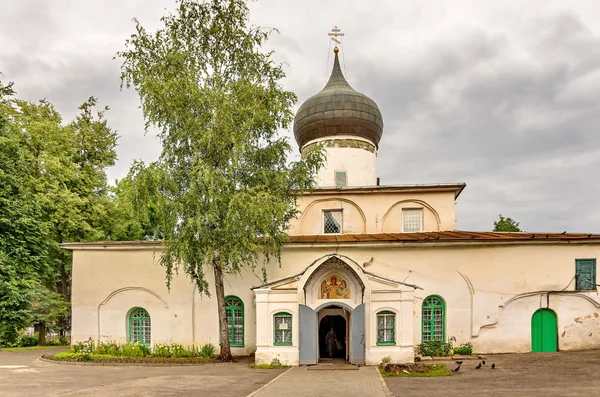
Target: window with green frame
pixel 139 326
pixel 433 319
pixel 282 325
pixel 234 307
pixel 386 328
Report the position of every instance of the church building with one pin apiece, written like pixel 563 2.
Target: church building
pixel 381 266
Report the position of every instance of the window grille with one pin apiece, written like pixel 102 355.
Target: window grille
pixel 411 219
pixel 283 328
pixel 433 319
pixel 140 327
pixel 234 307
pixel 341 179
pixel 332 222
pixel 386 324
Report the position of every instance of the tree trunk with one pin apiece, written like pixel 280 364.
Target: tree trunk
pixel 225 352
pixel 42 333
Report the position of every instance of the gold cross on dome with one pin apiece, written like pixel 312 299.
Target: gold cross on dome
pixel 335 33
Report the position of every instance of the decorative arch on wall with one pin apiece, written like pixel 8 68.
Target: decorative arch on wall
pixel 121 290
pixel 309 285
pixel 350 202
pixel 529 295
pixel 416 201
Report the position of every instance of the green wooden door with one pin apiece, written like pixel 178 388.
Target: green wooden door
pixel 544 331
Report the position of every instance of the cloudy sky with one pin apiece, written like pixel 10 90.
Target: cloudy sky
pixel 501 95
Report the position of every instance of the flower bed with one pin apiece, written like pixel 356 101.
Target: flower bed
pixel 107 358
pixel 114 352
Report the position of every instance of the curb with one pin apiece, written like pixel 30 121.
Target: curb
pixel 86 364
pixel 384 386
pixel 255 392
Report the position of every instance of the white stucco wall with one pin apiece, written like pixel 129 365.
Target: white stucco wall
pixel 490 292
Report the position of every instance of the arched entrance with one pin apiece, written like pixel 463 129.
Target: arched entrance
pixel 333 296
pixel 333 333
pixel 544 331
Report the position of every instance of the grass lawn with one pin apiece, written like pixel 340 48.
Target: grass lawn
pixel 425 371
pixel 267 366
pixel 19 349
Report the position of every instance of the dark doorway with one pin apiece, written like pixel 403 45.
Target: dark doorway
pixel 338 323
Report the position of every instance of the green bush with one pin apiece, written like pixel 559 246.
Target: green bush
pixel 466 349
pixel 181 351
pixel 26 340
pixel 434 348
pixel 207 350
pixel 161 351
pixel 67 356
pixel 111 348
pixel 136 350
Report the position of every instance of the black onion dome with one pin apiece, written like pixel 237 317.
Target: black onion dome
pixel 338 110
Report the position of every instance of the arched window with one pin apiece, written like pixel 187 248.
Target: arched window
pixel 139 326
pixel 282 325
pixel 234 307
pixel 386 328
pixel 433 319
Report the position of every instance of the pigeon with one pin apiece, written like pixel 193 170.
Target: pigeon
pixel 478 366
pixel 456 369
pixel 483 362
pixel 493 366
pixel 459 363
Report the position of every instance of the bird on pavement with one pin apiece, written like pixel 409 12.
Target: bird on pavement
pixel 483 362
pixel 456 369
pixel 493 366
pixel 459 362
pixel 478 366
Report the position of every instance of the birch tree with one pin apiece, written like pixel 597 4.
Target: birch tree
pixel 225 189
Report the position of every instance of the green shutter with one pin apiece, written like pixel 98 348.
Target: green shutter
pixel 585 272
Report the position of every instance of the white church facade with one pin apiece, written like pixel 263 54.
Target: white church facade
pixel 383 266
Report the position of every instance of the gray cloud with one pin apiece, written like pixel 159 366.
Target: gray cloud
pixel 500 96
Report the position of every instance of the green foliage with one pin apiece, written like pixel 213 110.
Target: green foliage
pixel 23 233
pixel 434 348
pixel 136 349
pixel 53 189
pixel 426 371
pixel 207 350
pixel 267 366
pixel 465 349
pixel 506 225
pixel 223 193
pixel 27 341
pixel 161 350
